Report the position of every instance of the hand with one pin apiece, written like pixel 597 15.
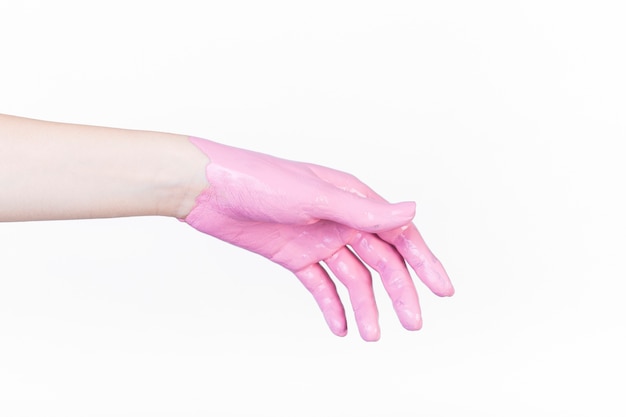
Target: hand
pixel 300 215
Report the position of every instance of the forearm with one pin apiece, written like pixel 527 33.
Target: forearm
pixel 64 171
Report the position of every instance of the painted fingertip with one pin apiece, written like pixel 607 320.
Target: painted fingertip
pixel 411 320
pixel 391 216
pixel 404 211
pixel 338 327
pixel 340 332
pixel 447 291
pixel 417 324
pixel 370 333
pixel 450 291
pixel 440 284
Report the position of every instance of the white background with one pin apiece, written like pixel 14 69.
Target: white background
pixel 503 120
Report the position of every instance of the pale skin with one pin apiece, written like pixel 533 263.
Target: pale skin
pixel 299 215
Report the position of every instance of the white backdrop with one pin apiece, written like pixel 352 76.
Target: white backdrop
pixel 503 120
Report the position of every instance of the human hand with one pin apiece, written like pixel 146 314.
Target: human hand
pixel 300 215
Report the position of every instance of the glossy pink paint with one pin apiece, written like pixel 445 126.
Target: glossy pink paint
pixel 301 215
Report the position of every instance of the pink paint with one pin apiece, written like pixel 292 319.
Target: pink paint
pixel 300 215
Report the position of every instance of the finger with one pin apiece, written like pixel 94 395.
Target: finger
pixel 385 260
pixel 410 244
pixel 316 280
pixel 332 203
pixel 358 280
pixel 405 238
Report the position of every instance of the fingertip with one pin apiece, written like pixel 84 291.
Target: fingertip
pixel 402 213
pixel 435 277
pixel 385 216
pixel 446 290
pixel 405 209
pixel 337 326
pixel 370 333
pixel 417 324
pixel 340 333
pixel 450 292
pixel 411 320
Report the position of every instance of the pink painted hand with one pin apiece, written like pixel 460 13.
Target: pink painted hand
pixel 300 215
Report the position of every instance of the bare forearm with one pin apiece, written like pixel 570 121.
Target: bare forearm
pixel 65 171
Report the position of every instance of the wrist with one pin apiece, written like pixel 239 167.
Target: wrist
pixel 180 178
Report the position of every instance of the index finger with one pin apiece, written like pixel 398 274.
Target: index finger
pixel 409 242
